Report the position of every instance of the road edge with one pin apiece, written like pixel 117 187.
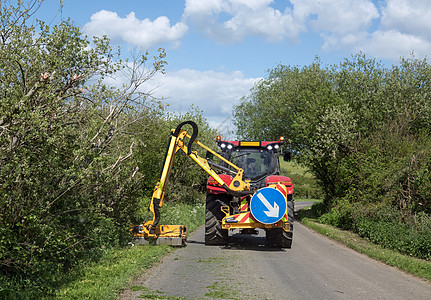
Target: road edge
pixel 418 268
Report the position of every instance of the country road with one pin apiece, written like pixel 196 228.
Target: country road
pixel 315 268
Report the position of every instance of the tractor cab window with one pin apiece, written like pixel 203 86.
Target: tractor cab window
pixel 254 162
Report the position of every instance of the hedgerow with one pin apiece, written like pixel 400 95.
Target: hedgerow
pixel 363 131
pixel 79 153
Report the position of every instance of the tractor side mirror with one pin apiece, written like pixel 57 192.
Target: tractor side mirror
pixel 287 156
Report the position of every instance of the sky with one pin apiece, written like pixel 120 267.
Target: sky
pixel 218 49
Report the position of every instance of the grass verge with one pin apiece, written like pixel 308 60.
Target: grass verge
pixel 104 279
pixel 115 271
pixel 308 200
pixel 417 267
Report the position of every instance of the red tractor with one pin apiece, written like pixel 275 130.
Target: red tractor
pixel 271 207
pixel 246 193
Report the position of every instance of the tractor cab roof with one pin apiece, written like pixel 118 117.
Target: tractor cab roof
pixel 234 145
pixel 257 159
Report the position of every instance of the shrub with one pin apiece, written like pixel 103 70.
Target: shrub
pixel 305 185
pixel 397 236
pixel 77 156
pixel 340 216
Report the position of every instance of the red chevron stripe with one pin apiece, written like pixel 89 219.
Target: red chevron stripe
pixel 244 207
pixel 245 217
pixel 282 189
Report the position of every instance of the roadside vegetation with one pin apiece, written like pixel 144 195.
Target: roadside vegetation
pixel 363 130
pixel 304 183
pixel 82 142
pixel 117 267
pixel 81 146
pixel 405 262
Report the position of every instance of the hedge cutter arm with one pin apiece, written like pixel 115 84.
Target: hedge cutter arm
pixel 176 235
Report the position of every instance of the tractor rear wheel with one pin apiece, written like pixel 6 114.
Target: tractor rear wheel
pixel 214 234
pixel 291 213
pixel 277 237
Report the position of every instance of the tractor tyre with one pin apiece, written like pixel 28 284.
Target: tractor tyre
pixel 214 234
pixel 291 213
pixel 279 238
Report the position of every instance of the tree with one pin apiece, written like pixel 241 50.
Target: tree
pixel 68 176
pixel 335 117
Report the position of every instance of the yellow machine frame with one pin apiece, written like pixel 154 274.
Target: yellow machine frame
pixel 244 219
pixel 177 234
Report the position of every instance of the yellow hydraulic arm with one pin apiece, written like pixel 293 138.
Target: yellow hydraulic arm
pixel 177 234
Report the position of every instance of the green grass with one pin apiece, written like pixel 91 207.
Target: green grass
pixel 149 294
pixel 304 183
pixel 293 168
pixel 190 214
pixel 308 200
pixel 106 278
pixel 418 267
pixel 219 290
pixel 118 267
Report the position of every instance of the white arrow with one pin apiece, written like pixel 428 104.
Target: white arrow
pixel 272 211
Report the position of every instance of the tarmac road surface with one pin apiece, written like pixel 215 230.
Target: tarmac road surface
pixel 315 268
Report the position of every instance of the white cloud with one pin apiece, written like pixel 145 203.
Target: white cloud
pixel 345 41
pixel 386 28
pixel 394 44
pixel 393 29
pixel 340 23
pixel 408 17
pixel 143 33
pixel 228 21
pixel 404 28
pixel 337 16
pixel 213 92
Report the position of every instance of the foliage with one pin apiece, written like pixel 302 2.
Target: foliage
pixel 78 157
pixel 362 129
pixel 114 271
pixel 407 263
pixel 304 183
pixel 383 226
pixel 190 214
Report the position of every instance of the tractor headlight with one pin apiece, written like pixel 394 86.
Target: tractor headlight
pixel 229 146
pixel 269 147
pixel 223 146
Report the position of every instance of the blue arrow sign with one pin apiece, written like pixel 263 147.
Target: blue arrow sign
pixel 268 205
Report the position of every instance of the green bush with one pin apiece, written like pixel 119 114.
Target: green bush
pixel 396 236
pixel 304 184
pixel 381 225
pixel 306 187
pixel 363 130
pixel 192 215
pixel 340 216
pixel 77 156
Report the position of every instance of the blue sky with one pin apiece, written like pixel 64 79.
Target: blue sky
pixel 217 49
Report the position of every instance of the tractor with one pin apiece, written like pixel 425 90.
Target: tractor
pixel 246 193
pixel 270 208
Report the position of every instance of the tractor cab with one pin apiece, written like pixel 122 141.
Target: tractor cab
pixel 258 159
